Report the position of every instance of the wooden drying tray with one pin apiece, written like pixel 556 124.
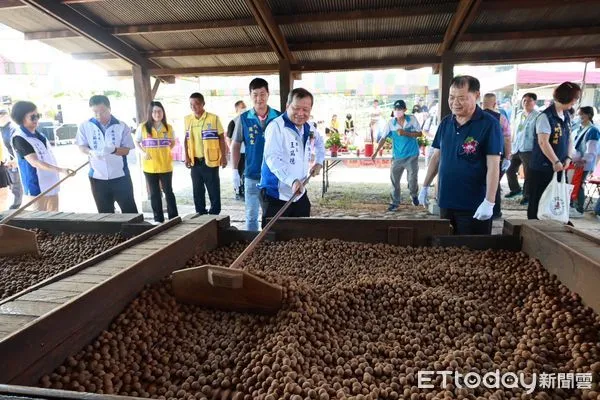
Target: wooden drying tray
pixel 41 346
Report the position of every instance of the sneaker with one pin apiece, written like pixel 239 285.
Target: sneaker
pixel 573 213
pixel 415 200
pixel 14 207
pixel 392 207
pixel 513 194
pixel 524 201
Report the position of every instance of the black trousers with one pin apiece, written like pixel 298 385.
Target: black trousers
pixel 271 205
pixel 538 182
pixel 463 222
pixel 155 181
pixel 106 192
pixel 206 179
pixel 511 174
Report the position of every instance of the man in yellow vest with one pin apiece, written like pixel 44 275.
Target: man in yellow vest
pixel 205 151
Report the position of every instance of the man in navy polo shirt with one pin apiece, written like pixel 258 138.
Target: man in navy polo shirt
pixel 467 148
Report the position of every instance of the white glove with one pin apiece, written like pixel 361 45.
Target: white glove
pixel 97 154
pixel 423 200
pixel 235 177
pixel 109 148
pixel 505 164
pixel 484 211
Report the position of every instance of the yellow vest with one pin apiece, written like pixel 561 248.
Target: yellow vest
pixel 202 137
pixel 158 146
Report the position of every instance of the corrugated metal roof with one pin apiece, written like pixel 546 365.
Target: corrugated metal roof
pixel 119 12
pixel 115 64
pixel 27 19
pixel 378 53
pixel 219 61
pixel 248 59
pixel 75 45
pixel 566 16
pixel 231 37
pixel 309 6
pixel 367 29
pixel 529 44
pixel 142 12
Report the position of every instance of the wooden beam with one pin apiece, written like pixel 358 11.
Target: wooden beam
pixel 354 15
pixel 79 1
pixel 11 4
pixel 143 92
pixel 366 64
pixel 77 22
pixel 206 51
pixel 361 44
pixel 217 70
pixel 446 75
pixel 264 18
pixel 537 34
pixel 482 58
pixel 155 87
pixel 597 63
pixel 286 83
pixel 462 18
pixel 169 79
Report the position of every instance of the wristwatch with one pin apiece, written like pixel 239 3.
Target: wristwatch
pixel 557 161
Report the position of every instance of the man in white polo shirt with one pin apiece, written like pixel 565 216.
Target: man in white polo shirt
pixel 107 141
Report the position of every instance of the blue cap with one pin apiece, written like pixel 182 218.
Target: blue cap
pixel 399 105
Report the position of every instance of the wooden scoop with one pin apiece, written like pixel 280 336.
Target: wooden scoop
pixel 232 288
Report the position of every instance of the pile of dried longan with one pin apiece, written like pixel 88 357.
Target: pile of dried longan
pixel 58 253
pixel 358 322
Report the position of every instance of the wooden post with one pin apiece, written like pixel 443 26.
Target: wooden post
pixel 446 75
pixel 143 92
pixel 286 82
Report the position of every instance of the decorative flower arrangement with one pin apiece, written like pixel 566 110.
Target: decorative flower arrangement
pixel 333 140
pixel 470 145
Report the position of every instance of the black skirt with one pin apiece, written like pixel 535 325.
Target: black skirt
pixel 4 177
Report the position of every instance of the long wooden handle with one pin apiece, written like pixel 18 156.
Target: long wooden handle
pixel 39 196
pixel 258 238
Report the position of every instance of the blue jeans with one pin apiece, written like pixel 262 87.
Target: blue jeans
pixel 597 208
pixel 252 201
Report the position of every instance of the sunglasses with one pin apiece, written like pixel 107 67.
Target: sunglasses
pixel 35 117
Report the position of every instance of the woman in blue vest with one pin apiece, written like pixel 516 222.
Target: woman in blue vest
pixel 37 163
pixel 586 149
pixel 552 143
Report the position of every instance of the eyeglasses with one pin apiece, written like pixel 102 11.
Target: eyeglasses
pixel 35 117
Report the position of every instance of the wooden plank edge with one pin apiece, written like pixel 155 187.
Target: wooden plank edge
pixel 19 390
pixel 574 264
pixel 97 258
pixel 29 335
pixel 478 242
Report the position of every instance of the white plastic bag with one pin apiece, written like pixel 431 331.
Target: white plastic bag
pixel 554 203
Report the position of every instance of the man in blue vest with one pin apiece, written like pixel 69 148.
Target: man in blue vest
pixel 467 148
pixel 250 131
